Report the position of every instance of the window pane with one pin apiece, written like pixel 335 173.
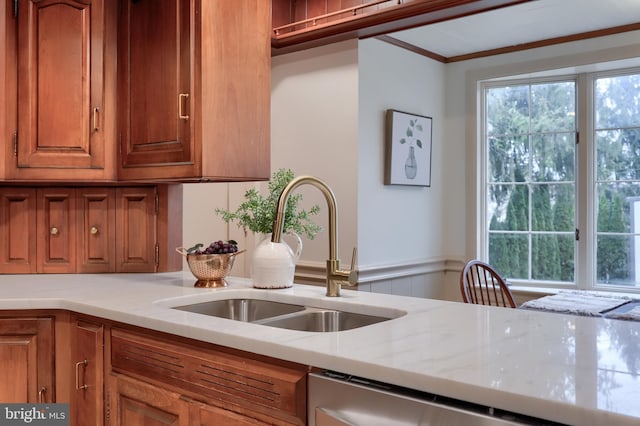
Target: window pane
pixel 507 110
pixel 617 138
pixel 508 207
pixel 508 159
pixel 553 107
pixel 617 206
pixel 618 154
pixel 553 157
pixel 553 208
pixel 531 141
pixel 509 254
pixel 553 257
pixel 616 260
pixel 617 101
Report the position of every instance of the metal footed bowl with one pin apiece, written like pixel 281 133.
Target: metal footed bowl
pixel 210 269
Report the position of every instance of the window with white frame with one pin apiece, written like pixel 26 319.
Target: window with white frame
pixel 536 192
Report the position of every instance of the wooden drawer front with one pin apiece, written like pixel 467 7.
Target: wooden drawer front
pixel 222 378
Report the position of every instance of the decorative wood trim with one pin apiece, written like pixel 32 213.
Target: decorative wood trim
pixel 547 42
pixel 382 21
pixel 315 272
pixel 411 15
pixel 412 47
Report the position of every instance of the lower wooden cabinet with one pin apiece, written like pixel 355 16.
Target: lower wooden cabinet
pixel 214 385
pixel 126 376
pixel 27 359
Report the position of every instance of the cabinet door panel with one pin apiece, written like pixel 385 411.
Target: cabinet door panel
pixel 136 403
pixel 96 230
pixel 136 234
pixel 18 358
pixel 56 230
pixel 154 82
pixel 27 360
pixel 17 230
pixel 210 415
pixel 60 84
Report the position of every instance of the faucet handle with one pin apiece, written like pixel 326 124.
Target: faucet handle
pixel 353 274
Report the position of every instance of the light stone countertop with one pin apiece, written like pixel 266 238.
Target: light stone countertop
pixel 569 369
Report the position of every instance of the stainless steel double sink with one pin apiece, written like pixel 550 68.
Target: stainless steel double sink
pixel 284 315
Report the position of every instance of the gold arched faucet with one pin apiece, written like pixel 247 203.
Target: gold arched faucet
pixel 335 275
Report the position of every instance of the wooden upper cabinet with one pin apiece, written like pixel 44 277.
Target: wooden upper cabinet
pixel 135 90
pixel 194 98
pixel 62 113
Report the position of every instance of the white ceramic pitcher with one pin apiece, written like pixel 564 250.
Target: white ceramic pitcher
pixel 274 264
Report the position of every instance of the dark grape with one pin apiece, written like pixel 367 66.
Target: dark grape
pixel 216 247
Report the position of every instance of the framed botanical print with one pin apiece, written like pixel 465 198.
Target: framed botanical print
pixel 408 149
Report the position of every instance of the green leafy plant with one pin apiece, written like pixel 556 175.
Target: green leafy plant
pixel 411 128
pixel 257 212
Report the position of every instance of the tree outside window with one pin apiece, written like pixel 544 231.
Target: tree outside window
pixel 531 180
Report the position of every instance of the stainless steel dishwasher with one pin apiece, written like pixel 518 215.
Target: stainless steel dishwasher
pixel 337 399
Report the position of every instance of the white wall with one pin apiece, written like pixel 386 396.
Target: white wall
pixel 396 223
pixel 314 131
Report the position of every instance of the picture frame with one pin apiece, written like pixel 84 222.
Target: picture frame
pixel 408 149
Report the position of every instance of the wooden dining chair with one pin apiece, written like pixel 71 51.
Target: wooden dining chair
pixel 481 284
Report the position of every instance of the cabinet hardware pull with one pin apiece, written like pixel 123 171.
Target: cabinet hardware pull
pixel 84 365
pixel 41 393
pixel 180 103
pixel 93 230
pixel 96 111
pixel 54 230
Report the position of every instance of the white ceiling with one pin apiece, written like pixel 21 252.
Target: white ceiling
pixel 522 23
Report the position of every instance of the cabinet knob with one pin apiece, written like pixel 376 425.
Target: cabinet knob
pixel 54 230
pixel 93 230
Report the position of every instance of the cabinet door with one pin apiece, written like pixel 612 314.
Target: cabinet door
pixel 134 403
pixel 209 415
pixel 206 115
pixel 27 360
pixel 136 229
pixel 56 243
pixel 17 230
pixel 88 364
pixel 96 230
pixel 154 85
pixel 9 91
pixel 60 86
